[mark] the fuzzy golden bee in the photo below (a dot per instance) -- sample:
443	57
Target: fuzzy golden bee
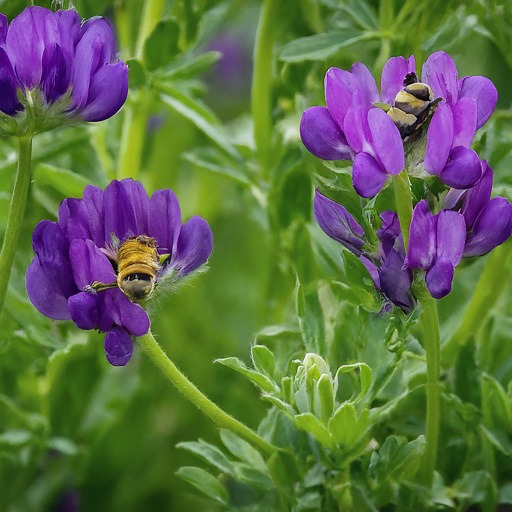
137	265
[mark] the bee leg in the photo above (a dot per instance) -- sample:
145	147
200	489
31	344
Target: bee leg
96	287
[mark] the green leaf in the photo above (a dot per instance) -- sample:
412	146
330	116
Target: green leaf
15	437
243	450
345	427
311	500
283	469
476	487
251	476
205	482
499	439
365	376
200	116
68	183
320	46
162	44
326	397
210	454
261	380
192	67
311	319
310	424
136	75
263	359
63	445
495	404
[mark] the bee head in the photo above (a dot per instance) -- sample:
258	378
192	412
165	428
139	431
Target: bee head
137	286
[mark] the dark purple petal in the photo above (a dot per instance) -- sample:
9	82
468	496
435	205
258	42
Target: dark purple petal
439	278
477	198
439	139
390	231
89	264
52	248
96	48
83	308
74	218
337	223
367	88
93	198
463	170
68	29
25	43
483	91
386	141
396	281
451	236
464	122
55	74
339	87
126	209
107	92
43	295
452	198
118	346
393	74
367	175
9	103
492	227
129	314
422	238
372	269
357	130
165	220
321	135
3	28
195	245
440	73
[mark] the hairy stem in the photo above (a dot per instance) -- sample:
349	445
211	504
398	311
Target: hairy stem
261	83
206	406
16	213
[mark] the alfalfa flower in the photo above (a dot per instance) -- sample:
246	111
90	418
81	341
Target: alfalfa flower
76	273
54	70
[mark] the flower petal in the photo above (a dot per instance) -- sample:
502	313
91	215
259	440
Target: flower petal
322	136
367	89
464	122
396	281
43	295
93	198
74	218
386	141
195	244
393	75
89	264
9	103
83	308
440	73
477	197
439	139
126	209
55	74
165	220
368	177
439	278
337	223
483	91
107	92
463	170
451	236
118	346
3	28
372	269
25	43
339	88
422	238
52	249
492	227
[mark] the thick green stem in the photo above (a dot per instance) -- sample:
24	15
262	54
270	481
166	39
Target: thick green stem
206	406
431	342
403	203
487	292
261	83
16	213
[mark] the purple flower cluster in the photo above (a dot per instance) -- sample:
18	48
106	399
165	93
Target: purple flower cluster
355	125
82	247
50	59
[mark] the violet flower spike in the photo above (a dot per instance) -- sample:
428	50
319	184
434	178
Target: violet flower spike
436	244
82	248
64	71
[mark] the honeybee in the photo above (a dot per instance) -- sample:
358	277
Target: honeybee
138	263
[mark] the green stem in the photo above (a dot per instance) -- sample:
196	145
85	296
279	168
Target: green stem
495	276
262	82
403	203
186	388
431	342
386	21
16	213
